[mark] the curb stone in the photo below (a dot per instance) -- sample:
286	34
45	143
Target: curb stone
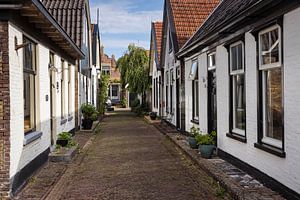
240	189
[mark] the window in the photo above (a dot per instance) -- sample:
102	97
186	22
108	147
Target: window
212	61
271	84
157	86
106	70
29	71
154	93
195	86
115	89
167	91
62	89
171	90
69	89
194	70
238	93
270	47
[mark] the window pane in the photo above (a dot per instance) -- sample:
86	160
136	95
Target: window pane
270	47
29	101
239	49
196	99
273	102
194	68
29	55
233	59
212	60
239	102
115	89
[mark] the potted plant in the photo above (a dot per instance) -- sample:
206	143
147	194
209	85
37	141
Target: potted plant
63	139
153	115
206	144
88	111
191	140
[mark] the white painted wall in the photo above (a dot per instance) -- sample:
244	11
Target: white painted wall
21	155
170	64
285	170
156	75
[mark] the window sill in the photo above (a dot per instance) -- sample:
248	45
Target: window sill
70	118
63	121
31	137
237	137
195	121
270	149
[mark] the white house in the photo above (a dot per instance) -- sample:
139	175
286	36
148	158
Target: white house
181	19
154	69
242	80
38	60
74	17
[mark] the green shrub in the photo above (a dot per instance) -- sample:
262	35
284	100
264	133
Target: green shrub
124	102
206	139
195	131
66	136
88	110
135	103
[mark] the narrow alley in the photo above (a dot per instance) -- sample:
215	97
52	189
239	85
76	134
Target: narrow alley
130	159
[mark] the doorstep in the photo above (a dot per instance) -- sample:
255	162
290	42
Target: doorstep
150	121
63	154
237	182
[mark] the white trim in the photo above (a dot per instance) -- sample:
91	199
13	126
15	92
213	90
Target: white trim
193	69
238	71
272	65
209	66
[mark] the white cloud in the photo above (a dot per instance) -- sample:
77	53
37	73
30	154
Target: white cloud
123	43
116	17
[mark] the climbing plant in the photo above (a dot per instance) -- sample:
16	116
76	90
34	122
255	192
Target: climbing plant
103	85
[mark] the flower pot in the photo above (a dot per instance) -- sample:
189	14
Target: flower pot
206	150
87	124
192	142
62	143
153	115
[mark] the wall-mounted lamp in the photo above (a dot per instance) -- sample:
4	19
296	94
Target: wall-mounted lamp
19	46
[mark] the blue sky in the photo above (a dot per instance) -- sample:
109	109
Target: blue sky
125	21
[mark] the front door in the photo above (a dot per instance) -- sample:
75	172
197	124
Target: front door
212	101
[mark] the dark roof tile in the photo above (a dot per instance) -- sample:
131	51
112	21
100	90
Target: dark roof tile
69	14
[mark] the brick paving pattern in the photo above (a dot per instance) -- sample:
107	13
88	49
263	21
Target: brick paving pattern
130	159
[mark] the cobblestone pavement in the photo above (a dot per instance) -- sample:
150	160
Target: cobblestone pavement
130	159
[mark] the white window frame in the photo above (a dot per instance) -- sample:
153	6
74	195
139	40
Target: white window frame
196	114
69	89
272	65
193	69
233	74
264	69
210	66
266	139
239	71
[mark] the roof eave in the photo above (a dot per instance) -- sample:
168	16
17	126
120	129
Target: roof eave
38	4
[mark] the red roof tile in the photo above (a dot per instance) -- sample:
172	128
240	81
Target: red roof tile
158	28
188	15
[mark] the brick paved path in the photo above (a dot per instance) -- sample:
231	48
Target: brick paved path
130	159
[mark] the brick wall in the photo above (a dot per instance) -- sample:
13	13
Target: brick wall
4	112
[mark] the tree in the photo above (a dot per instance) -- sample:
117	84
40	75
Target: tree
133	66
